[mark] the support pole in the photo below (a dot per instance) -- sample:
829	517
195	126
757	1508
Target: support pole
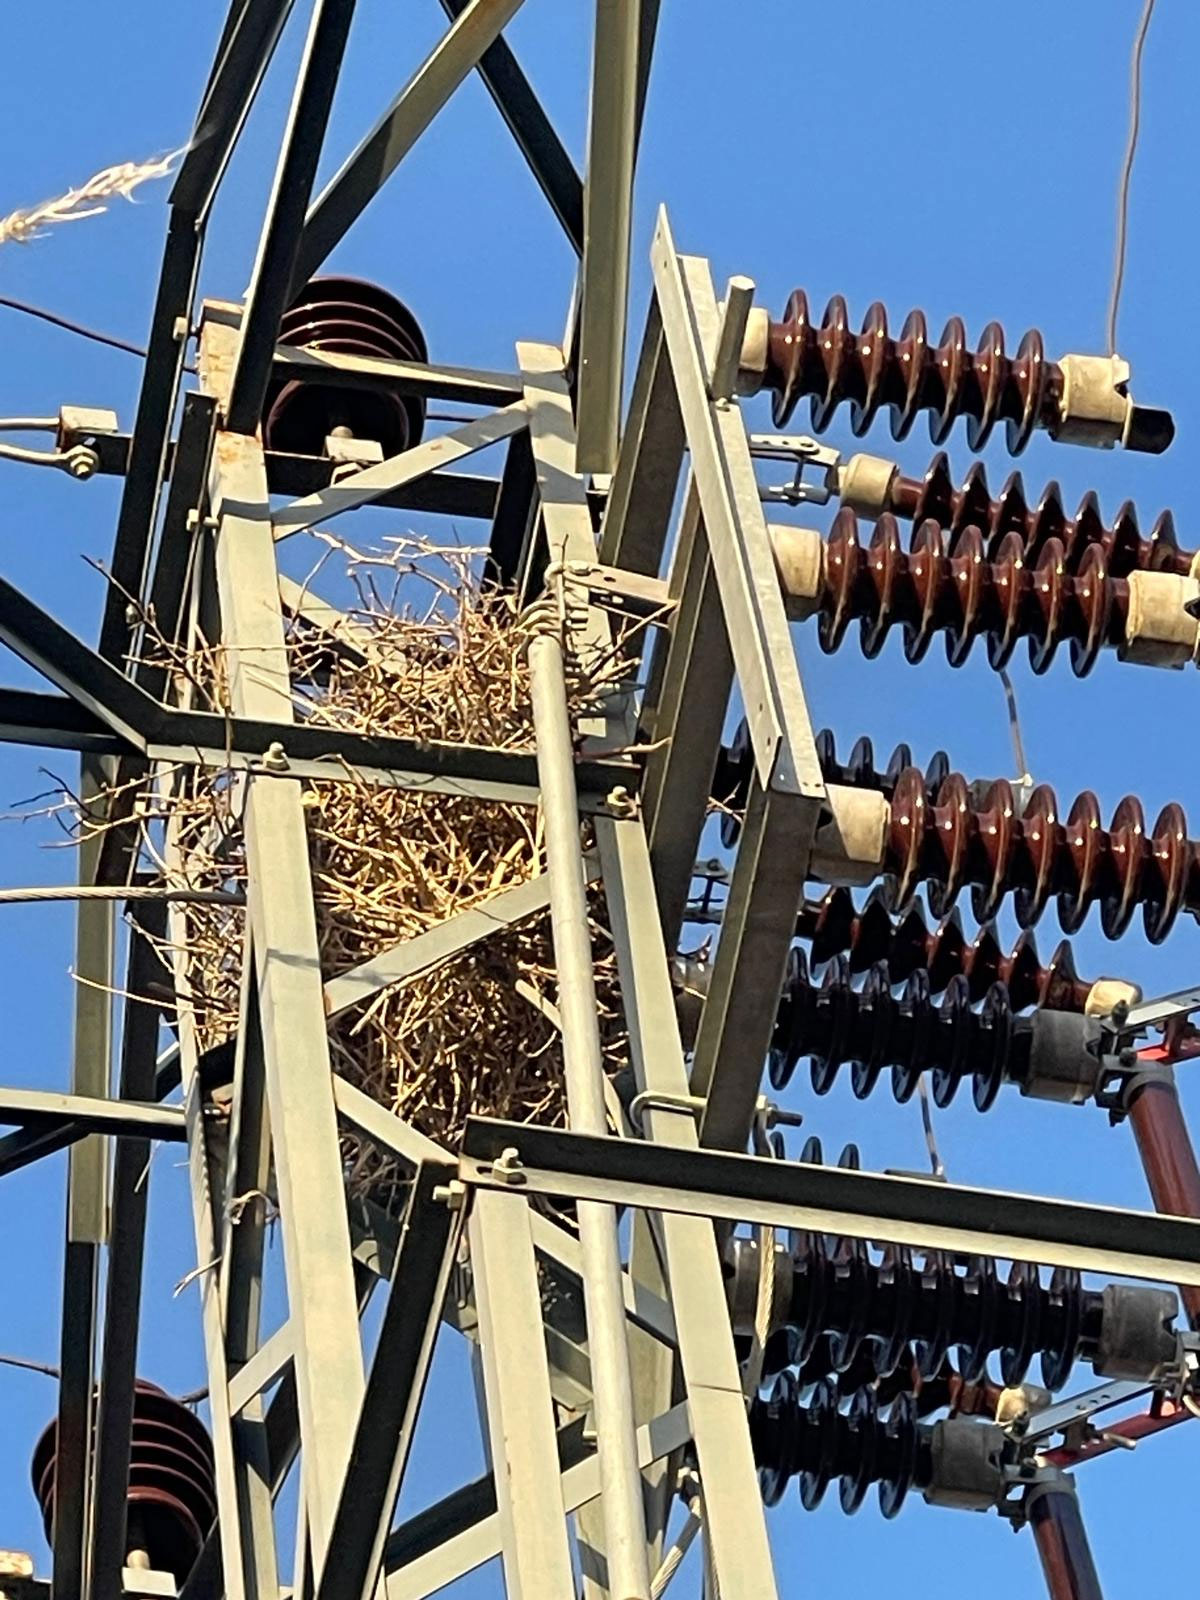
533	1534
87	1219
624	1521
607	213
270	287
1168	1155
123	1288
1062	1543
291	1008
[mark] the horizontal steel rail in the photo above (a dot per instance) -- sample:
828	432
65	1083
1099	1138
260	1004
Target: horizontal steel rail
921	1212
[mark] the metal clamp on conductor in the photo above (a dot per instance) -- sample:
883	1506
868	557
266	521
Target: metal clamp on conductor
72	428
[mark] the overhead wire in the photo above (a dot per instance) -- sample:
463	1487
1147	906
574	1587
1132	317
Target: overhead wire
95	334
80	328
1123	183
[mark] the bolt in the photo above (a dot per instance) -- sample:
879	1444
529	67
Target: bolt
620	802
777	1117
275	759
507	1167
453	1195
80	462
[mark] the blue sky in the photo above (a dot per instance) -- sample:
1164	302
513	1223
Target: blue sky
958	158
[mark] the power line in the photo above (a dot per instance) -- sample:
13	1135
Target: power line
72	327
1135	120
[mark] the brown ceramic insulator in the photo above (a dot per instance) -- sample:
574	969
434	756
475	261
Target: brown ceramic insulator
935	498
1062	1544
861	771
959	839
735	767
171	1499
907	944
930	589
831	363
345	316
1168	1158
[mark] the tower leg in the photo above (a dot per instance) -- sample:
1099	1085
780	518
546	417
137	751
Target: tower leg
1168	1155
1054	1516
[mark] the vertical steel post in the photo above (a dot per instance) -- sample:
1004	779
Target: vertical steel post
270	286
123	1283
735	1523
607	210
238	1570
385	1426
1062	1543
624	1520
282	923
1168	1155
87	1221
537	1557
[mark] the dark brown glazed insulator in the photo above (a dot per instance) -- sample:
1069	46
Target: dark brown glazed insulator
901	1310
345	316
870	369
935	499
834	926
959	840
815	1442
735	767
931	589
871	1028
861	772
172	1500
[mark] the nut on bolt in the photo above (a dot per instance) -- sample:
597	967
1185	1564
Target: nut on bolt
621	803
275	759
507	1167
81	462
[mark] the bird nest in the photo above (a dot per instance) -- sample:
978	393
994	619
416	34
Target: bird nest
427	652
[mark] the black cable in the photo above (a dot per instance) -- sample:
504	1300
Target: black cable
72	327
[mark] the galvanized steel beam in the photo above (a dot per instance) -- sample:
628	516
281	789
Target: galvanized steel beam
279	245
552	168
360	179
923	1212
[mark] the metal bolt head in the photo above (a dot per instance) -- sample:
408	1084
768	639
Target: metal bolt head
275	759
507	1167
